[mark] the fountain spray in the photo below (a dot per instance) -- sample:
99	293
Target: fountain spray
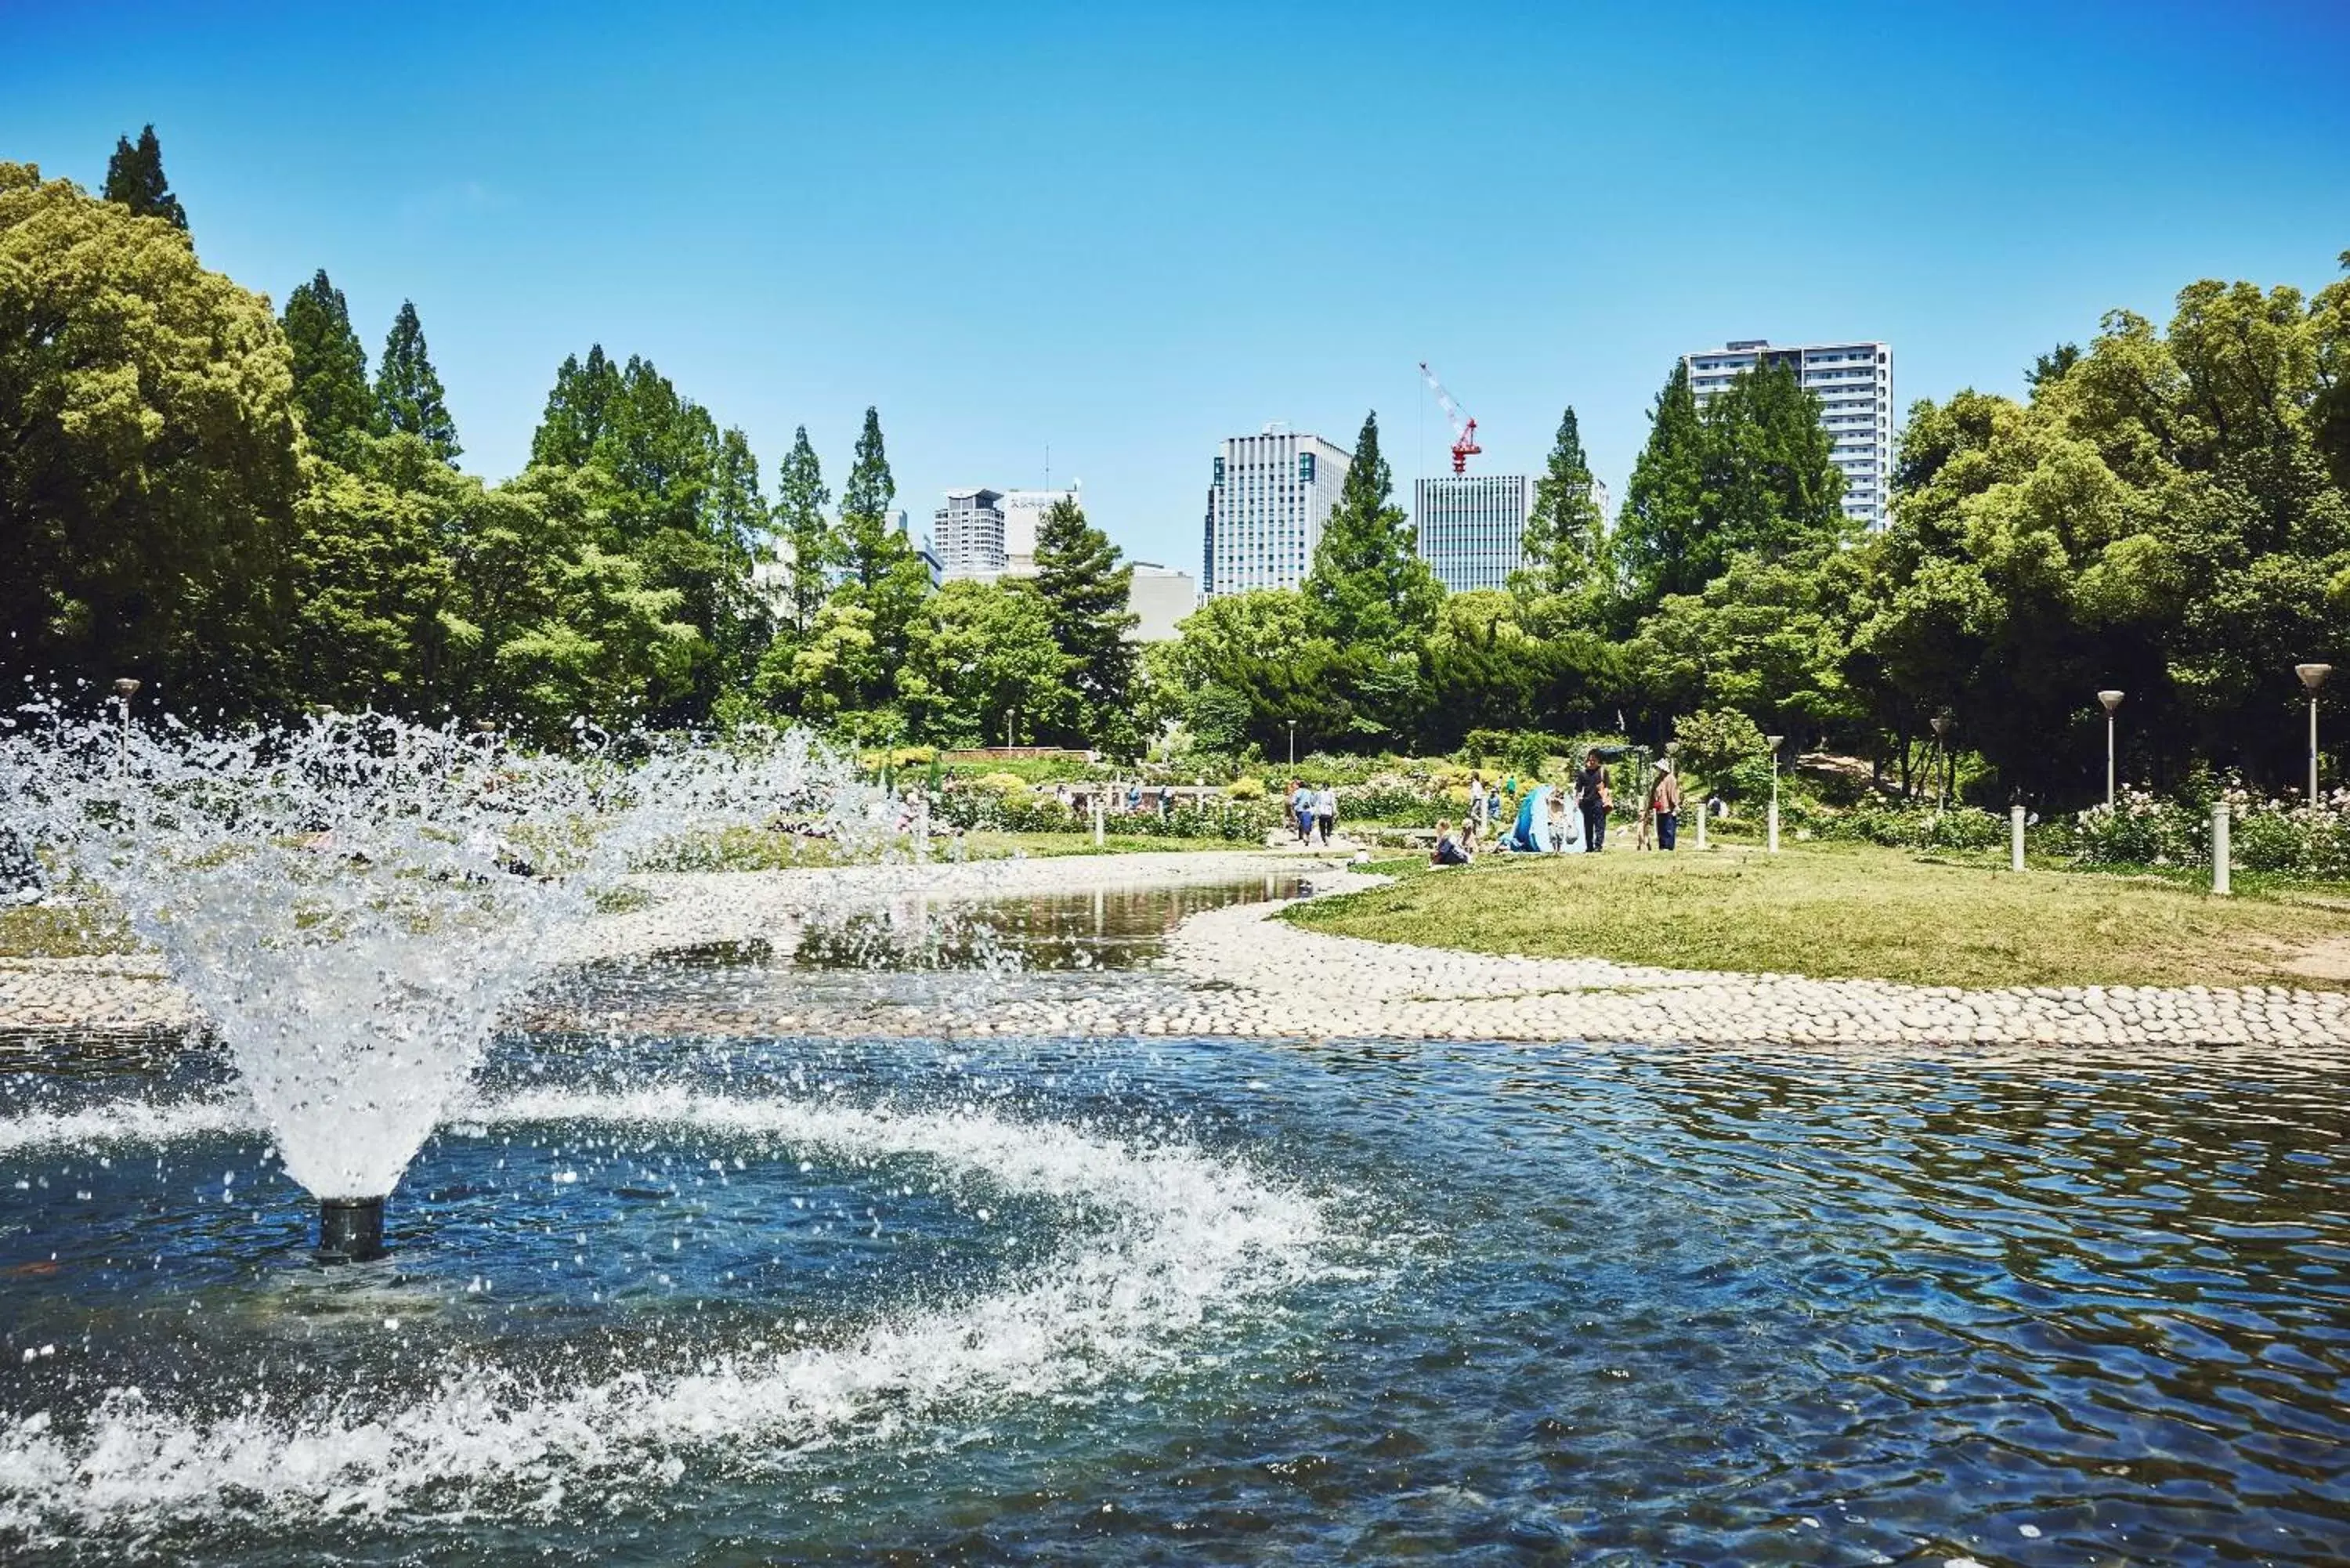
353	904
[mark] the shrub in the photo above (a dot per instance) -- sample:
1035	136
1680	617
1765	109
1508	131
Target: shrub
2310	842
1001	783
1725	751
1244	789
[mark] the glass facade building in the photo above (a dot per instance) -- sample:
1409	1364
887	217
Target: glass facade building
1853	382
1471	527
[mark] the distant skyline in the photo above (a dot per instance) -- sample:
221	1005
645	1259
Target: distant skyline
1128	233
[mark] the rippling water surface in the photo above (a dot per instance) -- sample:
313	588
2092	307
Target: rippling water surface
703	1298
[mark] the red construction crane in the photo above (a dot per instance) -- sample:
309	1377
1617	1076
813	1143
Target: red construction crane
1464	429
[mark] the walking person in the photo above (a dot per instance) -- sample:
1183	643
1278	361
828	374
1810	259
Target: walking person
1301	802
1591	794
1665	803
1474	823
1325	812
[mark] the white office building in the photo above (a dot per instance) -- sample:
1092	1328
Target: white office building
1022	511
1160	598
1471	527
1266	504
1853	382
967	533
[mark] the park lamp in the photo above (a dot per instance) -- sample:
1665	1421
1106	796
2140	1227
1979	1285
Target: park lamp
2313	675
2110	702
128	688
1941	723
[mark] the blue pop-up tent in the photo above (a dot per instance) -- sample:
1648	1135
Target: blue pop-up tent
1531	833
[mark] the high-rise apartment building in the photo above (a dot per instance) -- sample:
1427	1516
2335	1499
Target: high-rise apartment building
1853	382
1266	504
1471	527
968	534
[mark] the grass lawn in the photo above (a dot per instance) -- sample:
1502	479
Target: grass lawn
65	932
1845	911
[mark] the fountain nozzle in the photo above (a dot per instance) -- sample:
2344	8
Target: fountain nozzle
350	1230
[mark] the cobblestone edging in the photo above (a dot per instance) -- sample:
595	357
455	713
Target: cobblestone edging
1287	980
1239	971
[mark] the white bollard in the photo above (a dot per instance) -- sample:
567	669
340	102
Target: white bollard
1703	811
1774	826
2015	838
2220	852
1097	819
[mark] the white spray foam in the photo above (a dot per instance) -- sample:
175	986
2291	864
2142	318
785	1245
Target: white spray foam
1200	1238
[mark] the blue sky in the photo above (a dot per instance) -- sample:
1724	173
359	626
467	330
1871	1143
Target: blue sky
1126	232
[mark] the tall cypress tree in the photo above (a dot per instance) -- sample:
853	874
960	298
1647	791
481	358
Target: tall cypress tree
1565	540
870	546
802	530
1368	587
408	395
134	177
1659	527
330	369
579	409
1086	591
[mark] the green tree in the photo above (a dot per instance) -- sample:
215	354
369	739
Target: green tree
1658	531
134	179
871	549
148	457
330	369
1566	537
372	583
1243	667
578	410
409	399
1753	471
1368	587
1085	590
985	666
805	536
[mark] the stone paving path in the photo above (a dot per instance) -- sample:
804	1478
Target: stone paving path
1239	971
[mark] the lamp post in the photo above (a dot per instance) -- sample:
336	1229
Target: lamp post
1942	722
1773	835
2109	701
1293	742
126	689
2313	675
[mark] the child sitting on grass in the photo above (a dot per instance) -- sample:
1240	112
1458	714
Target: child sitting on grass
1448	850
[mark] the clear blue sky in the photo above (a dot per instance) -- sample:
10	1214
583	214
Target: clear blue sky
1128	231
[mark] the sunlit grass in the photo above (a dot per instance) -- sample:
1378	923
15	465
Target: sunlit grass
1856	912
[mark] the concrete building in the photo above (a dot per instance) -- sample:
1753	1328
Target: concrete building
1853	382
1471	527
1160	598
968	534
1023	510
1270	495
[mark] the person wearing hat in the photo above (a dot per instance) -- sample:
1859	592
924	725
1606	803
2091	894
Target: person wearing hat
1665	804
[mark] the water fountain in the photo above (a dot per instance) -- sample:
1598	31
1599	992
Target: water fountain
354	903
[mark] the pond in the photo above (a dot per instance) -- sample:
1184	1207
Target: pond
696	1295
